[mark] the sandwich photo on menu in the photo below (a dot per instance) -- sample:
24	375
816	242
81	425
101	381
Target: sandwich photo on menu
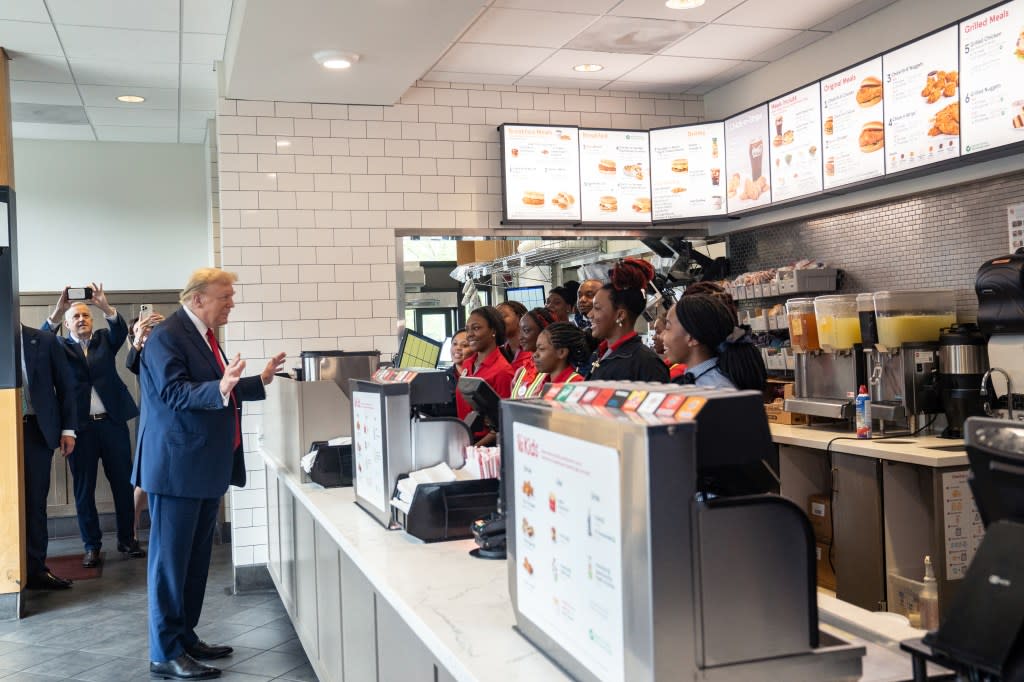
870	92
608	203
872	137
606	166
533	198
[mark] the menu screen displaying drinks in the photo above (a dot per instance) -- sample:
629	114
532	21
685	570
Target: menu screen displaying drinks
615	184
796	143
746	156
541	172
992	78
853	129
688	172
922	102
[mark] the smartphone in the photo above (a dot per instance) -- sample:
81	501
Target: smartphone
145	310
79	293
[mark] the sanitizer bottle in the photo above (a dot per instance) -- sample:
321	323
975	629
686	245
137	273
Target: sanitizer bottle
863	402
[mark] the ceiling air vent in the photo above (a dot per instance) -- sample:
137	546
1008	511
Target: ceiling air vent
26	112
630	35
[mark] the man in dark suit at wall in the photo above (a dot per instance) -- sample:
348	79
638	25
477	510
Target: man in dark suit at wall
189	450
48	413
104	407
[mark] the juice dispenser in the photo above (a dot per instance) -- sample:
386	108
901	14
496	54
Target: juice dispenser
803	326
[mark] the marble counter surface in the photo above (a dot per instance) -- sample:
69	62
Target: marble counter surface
929	451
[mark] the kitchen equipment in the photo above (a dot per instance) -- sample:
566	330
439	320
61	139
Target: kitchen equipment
914	316
338	366
803	326
838	322
962	364
999	286
868	322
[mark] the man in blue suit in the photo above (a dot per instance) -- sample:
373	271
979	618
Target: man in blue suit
104	407
189	450
48	414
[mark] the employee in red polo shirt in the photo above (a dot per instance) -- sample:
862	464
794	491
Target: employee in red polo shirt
485	332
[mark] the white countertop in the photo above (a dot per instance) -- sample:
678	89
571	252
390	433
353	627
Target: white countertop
460	606
911	450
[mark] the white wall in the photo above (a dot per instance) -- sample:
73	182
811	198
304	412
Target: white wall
130	215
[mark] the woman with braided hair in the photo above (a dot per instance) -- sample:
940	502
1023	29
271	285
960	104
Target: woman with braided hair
530	326
621	355
701	331
511	311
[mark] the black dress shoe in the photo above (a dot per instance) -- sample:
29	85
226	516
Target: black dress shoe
91	558
131	550
184	667
201	651
47	581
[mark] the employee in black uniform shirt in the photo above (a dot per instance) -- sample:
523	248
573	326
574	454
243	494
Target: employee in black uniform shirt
621	355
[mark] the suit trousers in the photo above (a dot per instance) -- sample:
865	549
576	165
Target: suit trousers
180	543
38	461
105	441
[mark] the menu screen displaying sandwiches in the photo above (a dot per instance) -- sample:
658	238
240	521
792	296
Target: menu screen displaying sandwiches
615	184
542	173
922	103
853	129
688	173
746	155
992	78
796	143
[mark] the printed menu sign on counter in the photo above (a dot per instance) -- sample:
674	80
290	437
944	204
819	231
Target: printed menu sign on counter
992	78
962	522
796	143
688	172
853	130
922	103
569	545
542	173
368	449
746	155
615	184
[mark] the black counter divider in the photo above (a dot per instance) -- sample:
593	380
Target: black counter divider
445	511
333	465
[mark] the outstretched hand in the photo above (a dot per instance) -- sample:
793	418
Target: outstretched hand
232	373
273	366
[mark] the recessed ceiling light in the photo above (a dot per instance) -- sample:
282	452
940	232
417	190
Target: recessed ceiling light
683	4
587	68
131	99
284	143
334	60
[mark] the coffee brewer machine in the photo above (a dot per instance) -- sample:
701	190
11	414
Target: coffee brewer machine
962	366
1000	289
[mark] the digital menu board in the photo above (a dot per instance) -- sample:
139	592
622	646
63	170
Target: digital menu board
922	103
541	173
853	129
795	155
746	155
688	171
615	185
992	78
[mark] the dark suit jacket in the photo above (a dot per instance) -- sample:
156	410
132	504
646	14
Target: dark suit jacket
186	434
51	384
99	371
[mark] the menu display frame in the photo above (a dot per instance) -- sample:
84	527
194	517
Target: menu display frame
570	199
737	186
643	218
782	135
826	151
723	173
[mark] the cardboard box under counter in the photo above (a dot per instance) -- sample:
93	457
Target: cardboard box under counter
826	576
819	509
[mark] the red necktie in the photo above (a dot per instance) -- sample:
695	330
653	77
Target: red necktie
220	363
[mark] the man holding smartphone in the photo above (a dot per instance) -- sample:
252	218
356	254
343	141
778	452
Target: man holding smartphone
104	406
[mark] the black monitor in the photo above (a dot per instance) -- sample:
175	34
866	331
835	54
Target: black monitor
995	449
531	297
417	350
482	398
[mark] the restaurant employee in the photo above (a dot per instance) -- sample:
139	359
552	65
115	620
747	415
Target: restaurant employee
621	355
530	326
485	331
561	351
510	312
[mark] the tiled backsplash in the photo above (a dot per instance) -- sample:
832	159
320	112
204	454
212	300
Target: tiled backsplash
939	239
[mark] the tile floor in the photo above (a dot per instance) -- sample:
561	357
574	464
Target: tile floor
96	631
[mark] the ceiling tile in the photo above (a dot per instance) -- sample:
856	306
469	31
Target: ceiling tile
153	15
640	86
116	44
802	15
195	119
24	10
854	13
657	10
551	82
700	89
30	38
628	34
198	76
57	114
106	96
559	65
498	59
136	134
129	74
30	67
731	74
193	135
44	93
116	116
201	48
729	42
581	6
206	16
799	41
521	27
49	131
198	99
682	70
456	77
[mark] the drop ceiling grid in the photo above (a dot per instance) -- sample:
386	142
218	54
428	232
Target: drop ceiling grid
85	54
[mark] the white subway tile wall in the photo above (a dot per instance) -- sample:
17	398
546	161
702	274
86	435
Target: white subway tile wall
311	196
938	239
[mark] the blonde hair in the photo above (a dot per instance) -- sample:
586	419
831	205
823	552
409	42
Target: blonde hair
202	278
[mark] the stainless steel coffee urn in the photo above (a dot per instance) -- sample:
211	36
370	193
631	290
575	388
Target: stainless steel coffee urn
963	362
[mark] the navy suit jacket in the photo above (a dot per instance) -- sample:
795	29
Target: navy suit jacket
186	434
51	384
99	371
